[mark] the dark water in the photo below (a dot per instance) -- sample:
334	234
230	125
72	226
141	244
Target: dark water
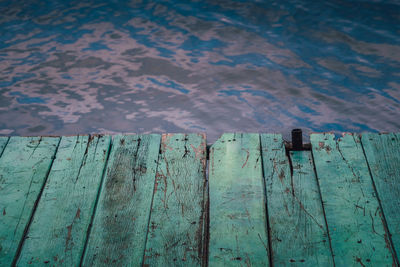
71	67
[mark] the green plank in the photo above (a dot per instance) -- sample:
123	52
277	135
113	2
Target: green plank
238	227
297	225
118	235
175	235
383	155
3	143
352	210
58	231
23	170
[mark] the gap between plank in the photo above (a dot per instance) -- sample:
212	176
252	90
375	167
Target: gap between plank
385	225
323	207
96	200
206	211
270	255
21	242
206	224
151	204
287	152
4	148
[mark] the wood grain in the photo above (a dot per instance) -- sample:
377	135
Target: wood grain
57	234
238	226
383	155
118	235
175	235
298	230
24	166
352	210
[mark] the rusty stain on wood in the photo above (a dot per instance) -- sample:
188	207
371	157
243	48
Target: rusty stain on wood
149	202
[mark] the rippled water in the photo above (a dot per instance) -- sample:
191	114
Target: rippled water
71	67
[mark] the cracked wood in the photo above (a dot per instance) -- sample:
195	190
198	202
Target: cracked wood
238	226
57	233
383	155
24	165
175	234
298	232
120	224
353	215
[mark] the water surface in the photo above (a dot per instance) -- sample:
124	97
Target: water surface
70	67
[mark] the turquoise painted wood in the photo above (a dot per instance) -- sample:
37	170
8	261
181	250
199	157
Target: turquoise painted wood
57	233
3	143
175	235
148	204
352	210
383	155
297	225
24	166
118	235
238	226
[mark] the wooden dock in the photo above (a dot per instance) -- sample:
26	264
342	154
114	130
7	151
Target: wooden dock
155	200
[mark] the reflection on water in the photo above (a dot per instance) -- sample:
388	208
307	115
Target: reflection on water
215	66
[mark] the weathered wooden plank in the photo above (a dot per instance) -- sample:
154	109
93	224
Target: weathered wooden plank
383	155
3	143
238	226
354	219
58	231
118	235
298	231
24	166
175	235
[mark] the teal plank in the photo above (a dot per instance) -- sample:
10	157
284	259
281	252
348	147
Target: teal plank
354	219
383	155
118	235
3	143
175	235
23	170
297	225
58	231
238	225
